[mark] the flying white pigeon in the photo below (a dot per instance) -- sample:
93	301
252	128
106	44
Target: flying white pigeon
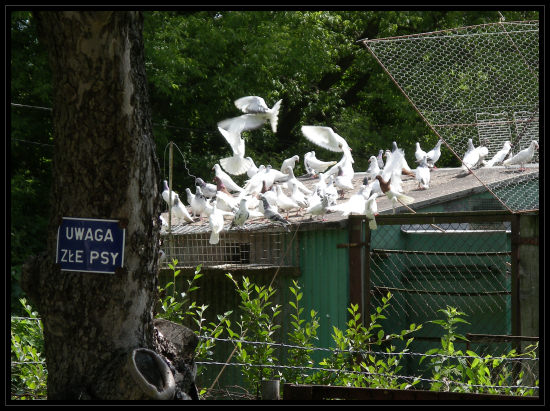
419	153
257	112
241	215
422	174
371	210
500	156
289	162
374	168
313	165
325	137
434	154
226	180
523	157
166	193
180	211
393	170
235	164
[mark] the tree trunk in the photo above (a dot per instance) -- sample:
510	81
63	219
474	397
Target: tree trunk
98	326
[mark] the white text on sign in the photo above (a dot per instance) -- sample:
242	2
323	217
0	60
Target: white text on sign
75	256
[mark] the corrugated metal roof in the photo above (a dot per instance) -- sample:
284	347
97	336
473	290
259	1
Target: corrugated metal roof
446	184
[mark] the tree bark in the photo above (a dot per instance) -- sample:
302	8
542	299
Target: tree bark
104	167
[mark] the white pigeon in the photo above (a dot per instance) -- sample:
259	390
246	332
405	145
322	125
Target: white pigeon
434	154
473	157
241	215
236	164
252	170
523	157
298	196
226	180
319	208
325	137
355	204
270	195
331	192
180	211
343	182
422	174
500	156
393	169
289	162
313	165
419	153
227	202
293	181
371	210
256	113
284	202
163	221
190	196
345	163
391	193
273	176
374	168
215	221
198	203
166	193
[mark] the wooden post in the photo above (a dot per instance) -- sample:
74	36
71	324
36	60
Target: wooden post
355	266
529	287
366	275
270	390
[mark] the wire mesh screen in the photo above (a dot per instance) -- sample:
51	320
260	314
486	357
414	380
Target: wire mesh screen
236	249
477	82
430	267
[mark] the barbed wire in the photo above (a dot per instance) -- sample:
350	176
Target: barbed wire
337	350
341	371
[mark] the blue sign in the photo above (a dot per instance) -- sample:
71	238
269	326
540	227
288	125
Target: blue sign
92	245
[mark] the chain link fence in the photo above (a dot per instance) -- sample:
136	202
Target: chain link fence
477	82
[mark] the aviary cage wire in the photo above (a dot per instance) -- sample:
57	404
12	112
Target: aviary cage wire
479	82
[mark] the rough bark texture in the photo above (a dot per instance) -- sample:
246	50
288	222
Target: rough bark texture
104	167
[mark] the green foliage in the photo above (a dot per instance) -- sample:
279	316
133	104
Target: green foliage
303	334
256	324
28	370
453	371
359	364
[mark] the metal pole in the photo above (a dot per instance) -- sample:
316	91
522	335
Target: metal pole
171	237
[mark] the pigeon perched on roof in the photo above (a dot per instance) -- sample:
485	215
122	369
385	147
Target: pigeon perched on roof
523	157
422	174
225	179
394	195
256	114
289	162
166	193
207	189
180	211
190	196
241	215
473	156
371	211
284	202
293	181
215	221
198	203
380	159
271	214
393	170
419	153
434	154
325	137
315	166
355	204
500	156
298	196
374	168
393	146
319	208
252	170
236	164
343	182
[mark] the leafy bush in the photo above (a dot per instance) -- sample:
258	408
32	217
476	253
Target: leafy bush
28	370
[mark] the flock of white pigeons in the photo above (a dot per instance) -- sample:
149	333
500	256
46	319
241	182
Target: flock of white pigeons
269	193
